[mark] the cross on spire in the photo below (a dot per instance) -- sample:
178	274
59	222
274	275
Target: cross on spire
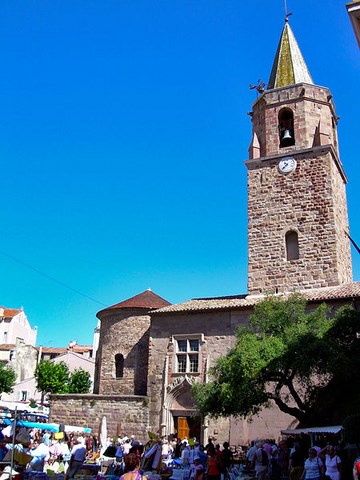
287	13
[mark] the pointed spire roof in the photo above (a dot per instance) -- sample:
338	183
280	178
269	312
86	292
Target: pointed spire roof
148	300
289	65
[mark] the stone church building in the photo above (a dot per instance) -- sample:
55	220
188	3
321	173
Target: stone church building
151	352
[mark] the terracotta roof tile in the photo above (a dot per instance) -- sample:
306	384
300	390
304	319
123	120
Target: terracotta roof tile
342	292
10	312
61	350
54	350
147	300
81	348
202	304
7	346
348	290
57	350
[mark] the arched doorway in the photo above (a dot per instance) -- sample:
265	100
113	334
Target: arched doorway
180	415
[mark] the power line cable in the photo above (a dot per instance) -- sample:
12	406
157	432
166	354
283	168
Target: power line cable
49	277
352	241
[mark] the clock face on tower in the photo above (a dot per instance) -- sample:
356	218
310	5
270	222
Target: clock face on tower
287	165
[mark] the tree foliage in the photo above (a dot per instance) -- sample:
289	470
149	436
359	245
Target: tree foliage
52	377
287	355
7	379
80	381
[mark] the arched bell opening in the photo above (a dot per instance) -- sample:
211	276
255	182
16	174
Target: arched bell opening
286	127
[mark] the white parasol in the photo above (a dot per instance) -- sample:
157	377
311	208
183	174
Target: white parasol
103	435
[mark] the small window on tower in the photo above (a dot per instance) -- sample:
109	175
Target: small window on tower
286	128
119	365
292	245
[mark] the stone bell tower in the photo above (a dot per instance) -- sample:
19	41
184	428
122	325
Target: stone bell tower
297	209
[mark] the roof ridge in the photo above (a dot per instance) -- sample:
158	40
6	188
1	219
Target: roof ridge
146	300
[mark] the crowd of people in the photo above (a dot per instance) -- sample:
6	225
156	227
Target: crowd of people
36	450
264	460
286	460
128	459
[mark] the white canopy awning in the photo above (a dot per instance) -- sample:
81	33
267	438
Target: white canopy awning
312	430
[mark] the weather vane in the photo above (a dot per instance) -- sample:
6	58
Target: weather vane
259	87
287	14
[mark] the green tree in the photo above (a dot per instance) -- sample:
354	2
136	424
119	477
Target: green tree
52	377
7	379
286	355
80	381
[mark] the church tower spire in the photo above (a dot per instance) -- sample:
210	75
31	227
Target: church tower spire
297	209
289	65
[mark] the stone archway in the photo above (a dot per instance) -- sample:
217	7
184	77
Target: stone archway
179	409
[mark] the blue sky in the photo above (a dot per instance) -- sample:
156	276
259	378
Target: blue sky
123	133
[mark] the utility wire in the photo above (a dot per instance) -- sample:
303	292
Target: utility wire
50	278
352	241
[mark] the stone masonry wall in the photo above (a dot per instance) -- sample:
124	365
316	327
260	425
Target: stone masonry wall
217	331
125	332
312	107
311	201
341	220
124	414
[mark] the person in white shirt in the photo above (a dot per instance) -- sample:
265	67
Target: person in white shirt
77	457
127	446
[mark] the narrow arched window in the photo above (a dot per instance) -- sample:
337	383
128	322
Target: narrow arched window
292	245
286	127
119	365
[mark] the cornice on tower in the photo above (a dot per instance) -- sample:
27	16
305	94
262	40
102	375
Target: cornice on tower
289	67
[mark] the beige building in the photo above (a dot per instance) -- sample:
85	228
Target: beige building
23	359
26	388
150	352
14	328
18	342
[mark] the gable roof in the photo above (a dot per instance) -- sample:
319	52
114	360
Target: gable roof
147	300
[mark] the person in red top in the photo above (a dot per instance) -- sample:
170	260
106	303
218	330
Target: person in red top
214	464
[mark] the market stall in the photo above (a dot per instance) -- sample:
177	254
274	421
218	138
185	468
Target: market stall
316	434
51	427
17	438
